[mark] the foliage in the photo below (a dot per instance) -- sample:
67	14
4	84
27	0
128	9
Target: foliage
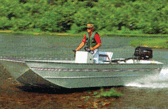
110	93
116	16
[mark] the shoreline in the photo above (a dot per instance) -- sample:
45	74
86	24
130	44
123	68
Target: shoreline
139	41
37	33
101	33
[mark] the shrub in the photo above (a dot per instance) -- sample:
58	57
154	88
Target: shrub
110	93
124	16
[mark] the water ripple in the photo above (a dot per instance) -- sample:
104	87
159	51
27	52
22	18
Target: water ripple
153	81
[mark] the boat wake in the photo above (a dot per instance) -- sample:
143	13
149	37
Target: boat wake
153	81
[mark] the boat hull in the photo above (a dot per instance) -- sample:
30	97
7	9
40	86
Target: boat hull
77	75
23	74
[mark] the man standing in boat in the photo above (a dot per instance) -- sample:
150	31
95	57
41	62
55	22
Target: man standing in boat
92	41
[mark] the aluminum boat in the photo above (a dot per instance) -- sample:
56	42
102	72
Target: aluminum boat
81	72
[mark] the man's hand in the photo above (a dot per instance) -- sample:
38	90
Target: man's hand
91	48
87	49
95	47
74	51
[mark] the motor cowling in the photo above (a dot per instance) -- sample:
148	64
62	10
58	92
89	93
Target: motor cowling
144	53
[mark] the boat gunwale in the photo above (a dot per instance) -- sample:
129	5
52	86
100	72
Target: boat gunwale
12	60
73	62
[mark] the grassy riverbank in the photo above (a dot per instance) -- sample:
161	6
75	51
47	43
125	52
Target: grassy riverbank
34	33
147	40
102	33
160	43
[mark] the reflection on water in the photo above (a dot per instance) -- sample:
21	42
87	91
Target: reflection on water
30	46
154	81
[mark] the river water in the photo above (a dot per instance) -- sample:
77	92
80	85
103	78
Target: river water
60	47
150	92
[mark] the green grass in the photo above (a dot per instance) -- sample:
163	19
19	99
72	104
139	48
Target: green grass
150	42
110	93
102	33
130	34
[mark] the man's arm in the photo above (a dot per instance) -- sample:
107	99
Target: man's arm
80	46
96	46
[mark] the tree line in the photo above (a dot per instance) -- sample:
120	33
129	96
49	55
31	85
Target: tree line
124	16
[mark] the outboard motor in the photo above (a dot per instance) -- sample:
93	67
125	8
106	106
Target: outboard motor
144	53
